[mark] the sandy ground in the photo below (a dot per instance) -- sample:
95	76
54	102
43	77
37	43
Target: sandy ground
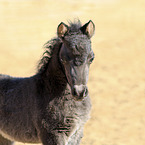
117	76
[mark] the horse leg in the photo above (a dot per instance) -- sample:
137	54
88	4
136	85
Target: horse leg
4	141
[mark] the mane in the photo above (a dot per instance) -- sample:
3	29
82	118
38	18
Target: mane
74	28
46	56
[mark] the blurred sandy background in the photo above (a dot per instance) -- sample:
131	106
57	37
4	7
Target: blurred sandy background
117	76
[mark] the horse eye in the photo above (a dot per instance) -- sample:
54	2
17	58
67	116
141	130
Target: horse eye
63	60
91	58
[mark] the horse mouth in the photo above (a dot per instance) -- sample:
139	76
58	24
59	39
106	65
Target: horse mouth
76	98
79	92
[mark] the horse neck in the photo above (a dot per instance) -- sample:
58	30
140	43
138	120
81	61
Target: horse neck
54	78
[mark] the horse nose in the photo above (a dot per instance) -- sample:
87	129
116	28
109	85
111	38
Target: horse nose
80	91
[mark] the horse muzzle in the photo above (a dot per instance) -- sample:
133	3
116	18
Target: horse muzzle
79	91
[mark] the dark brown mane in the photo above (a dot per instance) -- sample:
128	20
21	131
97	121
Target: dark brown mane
49	47
74	26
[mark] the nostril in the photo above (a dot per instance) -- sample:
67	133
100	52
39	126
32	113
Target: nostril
75	92
85	92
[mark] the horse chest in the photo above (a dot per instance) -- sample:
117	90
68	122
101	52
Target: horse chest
65	115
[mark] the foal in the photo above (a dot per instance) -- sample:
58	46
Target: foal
52	106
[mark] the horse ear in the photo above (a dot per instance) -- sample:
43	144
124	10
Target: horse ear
62	30
88	29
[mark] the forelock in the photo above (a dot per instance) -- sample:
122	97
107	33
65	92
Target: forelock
74	26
